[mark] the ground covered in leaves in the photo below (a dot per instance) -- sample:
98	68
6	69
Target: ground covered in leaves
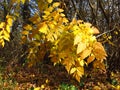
49	77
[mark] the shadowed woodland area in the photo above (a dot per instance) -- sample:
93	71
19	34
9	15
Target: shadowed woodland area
29	63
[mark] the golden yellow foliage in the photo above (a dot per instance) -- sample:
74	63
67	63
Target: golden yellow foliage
27	27
5	30
71	43
23	1
81	46
73	70
35	19
99	51
49	1
56	4
85	53
43	28
90	59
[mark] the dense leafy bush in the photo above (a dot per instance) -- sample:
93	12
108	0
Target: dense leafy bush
71	43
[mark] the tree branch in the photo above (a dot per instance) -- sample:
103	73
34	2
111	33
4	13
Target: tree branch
105	33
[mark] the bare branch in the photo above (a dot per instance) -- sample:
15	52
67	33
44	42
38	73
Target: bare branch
105	33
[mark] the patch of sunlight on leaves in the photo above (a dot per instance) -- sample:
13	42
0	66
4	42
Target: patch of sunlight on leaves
37	88
49	1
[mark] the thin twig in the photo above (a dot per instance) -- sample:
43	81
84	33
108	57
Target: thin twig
104	33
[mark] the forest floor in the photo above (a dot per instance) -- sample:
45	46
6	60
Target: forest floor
49	77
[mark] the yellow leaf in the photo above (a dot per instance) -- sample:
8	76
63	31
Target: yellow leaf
25	32
56	16
99	54
50	9
95	30
24	38
116	32
52	26
18	1
118	87
67	67
109	37
98	64
56	4
60	10
9	21
8	16
28	27
62	55
23	1
96	88
2	24
46	81
81	46
43	28
88	24
1	37
77	39
6	38
47	13
99	51
82	62
42	86
102	66
1	32
65	20
62	14
68	64
72	70
50	37
98	45
49	1
2	42
85	53
90	59
8	28
75	28
79	73
77	77
37	88
6	34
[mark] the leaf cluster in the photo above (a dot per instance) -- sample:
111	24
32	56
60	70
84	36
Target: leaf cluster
5	28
